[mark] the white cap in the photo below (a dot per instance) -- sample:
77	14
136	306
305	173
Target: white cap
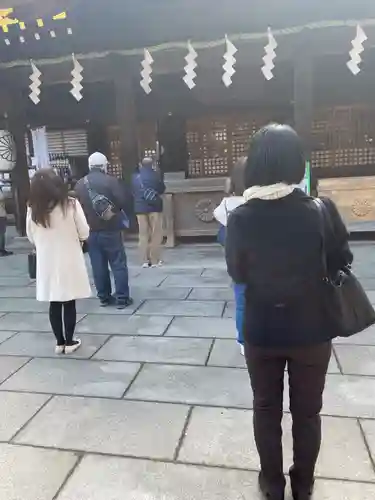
98	160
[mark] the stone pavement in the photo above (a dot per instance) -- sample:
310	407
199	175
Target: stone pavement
157	403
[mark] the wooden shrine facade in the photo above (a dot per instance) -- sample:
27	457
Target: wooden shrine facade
201	133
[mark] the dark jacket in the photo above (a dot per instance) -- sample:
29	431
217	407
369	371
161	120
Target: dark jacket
275	248
111	188
147	178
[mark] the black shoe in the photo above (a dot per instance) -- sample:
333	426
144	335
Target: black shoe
300	491
107	302
268	492
123	304
5	253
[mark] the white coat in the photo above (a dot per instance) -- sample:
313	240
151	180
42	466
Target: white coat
61	273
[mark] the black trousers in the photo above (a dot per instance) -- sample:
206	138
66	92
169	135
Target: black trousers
70	320
307	368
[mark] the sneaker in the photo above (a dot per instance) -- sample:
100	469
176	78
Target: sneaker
107	302
76	344
146	265
242	349
123	304
60	349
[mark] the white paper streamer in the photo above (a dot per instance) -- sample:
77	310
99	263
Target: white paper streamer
190	67
269	57
146	72
35	84
76	80
355	57
230	61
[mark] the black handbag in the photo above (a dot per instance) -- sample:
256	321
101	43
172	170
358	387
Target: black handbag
347	306
31	258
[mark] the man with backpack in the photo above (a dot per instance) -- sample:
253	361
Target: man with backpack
148	187
104	202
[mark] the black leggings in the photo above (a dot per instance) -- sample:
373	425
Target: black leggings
70	319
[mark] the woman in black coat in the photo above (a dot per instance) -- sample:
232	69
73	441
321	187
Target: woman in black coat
274	245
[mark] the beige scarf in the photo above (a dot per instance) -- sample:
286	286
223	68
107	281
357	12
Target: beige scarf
272	192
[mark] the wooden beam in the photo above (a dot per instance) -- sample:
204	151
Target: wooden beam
126	116
20	176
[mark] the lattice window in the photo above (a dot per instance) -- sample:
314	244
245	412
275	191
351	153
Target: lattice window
115	163
343	136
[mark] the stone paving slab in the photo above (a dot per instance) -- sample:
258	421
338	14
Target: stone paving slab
8	366
225	437
211	294
17	292
230	310
26	305
32	474
155	350
368	427
92	306
150	279
227	353
159	293
27	322
15	411
97	478
356	360
108	426
73	377
13	281
364	338
181	308
343	490
39	345
124	325
348	396
193	385
202	327
4	335
196	281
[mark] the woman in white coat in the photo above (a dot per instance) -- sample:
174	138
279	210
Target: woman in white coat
57	227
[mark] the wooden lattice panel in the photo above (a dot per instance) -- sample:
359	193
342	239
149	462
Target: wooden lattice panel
115	163
147	139
343	136
215	144
194	142
215	148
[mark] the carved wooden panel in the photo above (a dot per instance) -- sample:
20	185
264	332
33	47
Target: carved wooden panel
354	197
342	136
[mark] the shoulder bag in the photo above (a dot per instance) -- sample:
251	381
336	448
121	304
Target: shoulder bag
346	304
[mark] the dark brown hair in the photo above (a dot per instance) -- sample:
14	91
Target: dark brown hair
237	178
47	190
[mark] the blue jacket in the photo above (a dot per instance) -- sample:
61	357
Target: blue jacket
147	178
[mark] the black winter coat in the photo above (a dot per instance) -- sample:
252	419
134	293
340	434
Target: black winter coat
275	248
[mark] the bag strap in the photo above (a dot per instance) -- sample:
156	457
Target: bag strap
322	211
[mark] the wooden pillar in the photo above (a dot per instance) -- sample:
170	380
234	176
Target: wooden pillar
303	106
20	175
126	117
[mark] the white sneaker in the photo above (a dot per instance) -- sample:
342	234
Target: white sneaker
146	265
60	349
69	349
242	349
159	264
